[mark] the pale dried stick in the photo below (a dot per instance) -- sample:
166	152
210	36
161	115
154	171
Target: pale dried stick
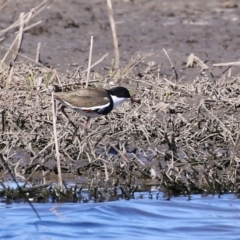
10	48
172	66
114	33
45	148
32	25
36	11
193	59
229	64
96	63
27	180
119	152
38	53
39	8
89	61
225	128
100	60
60	183
23	19
25	29
18	175
19	37
106	172
4	4
235	148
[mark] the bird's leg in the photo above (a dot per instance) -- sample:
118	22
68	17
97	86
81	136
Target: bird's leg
85	125
65	114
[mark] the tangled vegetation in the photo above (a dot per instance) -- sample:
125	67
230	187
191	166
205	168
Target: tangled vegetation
183	138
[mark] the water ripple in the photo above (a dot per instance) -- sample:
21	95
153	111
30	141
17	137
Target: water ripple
200	218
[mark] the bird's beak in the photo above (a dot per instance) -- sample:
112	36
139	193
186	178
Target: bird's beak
135	100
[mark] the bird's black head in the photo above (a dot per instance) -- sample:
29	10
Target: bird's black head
120	92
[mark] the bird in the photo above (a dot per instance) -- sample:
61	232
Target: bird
93	102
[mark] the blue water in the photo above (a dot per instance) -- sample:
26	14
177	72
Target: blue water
200	218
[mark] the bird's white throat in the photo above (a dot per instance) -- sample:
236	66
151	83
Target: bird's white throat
117	101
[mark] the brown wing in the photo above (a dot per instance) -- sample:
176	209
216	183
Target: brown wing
86	97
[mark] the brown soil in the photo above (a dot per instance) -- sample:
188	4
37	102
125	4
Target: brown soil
209	29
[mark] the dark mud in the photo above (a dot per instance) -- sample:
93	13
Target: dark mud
209	29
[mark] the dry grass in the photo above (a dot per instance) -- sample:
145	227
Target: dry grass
183	138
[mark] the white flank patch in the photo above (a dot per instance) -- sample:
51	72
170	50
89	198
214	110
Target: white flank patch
83	109
117	101
96	107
